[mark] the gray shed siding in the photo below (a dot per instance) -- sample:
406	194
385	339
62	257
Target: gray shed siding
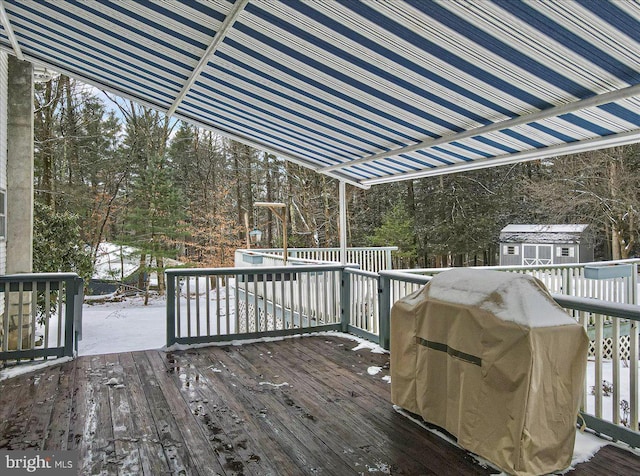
572	248
545	244
510	260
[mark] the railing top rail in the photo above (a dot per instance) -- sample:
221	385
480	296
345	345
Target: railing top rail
606	308
252	270
350	248
360	272
404	275
39	277
536	267
270	254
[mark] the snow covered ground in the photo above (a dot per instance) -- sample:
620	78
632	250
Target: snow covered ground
128	325
123	326
607	377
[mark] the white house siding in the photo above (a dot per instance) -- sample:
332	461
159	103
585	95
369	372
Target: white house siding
3	147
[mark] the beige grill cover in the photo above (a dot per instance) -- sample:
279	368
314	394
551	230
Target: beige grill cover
491	358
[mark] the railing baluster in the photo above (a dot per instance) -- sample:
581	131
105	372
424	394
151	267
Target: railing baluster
357	299
283	308
47	312
353	308
218	292
34	312
300	309
308	313
58	307
188	306
207	292
633	367
256	308
316	299
615	362
376	306
364	301
634	284
372	291
198	306
274	300
5	320
583	320
338	297
20	313
178	326
598	366
246	301
236	311
291	300
171	308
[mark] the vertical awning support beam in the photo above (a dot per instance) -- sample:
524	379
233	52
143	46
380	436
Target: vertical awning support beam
6	24
343	221
226	26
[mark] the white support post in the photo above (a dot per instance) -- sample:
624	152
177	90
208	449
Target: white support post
343	221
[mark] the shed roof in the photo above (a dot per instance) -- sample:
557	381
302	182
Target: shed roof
544	228
367	91
542	234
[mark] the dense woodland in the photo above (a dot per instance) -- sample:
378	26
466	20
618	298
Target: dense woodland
110	170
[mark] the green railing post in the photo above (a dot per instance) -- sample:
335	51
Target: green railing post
170	279
77	314
71	291
345	300
384	303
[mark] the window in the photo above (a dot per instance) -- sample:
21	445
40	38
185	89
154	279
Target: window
3	216
510	250
565	252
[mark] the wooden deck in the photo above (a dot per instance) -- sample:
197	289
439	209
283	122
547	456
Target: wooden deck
299	406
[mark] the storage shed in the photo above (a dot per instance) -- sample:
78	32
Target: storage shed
530	245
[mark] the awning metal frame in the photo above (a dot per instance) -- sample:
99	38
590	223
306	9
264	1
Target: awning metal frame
567	108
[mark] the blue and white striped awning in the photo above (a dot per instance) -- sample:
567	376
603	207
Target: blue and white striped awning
367	92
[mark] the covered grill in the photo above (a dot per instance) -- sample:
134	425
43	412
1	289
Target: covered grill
492	359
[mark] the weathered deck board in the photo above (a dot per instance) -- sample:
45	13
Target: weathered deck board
299	406
143	430
58	430
168	430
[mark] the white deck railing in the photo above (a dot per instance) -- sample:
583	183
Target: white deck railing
372	259
571	279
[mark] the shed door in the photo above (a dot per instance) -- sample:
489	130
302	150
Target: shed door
536	254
